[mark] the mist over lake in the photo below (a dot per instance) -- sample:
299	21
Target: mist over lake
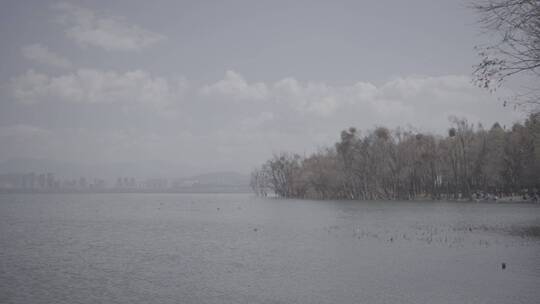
237	248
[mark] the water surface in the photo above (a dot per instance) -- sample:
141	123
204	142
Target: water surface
235	248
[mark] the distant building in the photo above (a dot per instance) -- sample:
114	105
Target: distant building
28	181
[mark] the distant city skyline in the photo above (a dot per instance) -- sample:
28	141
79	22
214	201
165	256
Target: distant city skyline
219	86
50	182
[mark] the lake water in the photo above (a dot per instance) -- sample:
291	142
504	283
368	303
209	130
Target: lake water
235	248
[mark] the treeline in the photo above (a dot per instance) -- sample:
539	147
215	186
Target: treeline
402	164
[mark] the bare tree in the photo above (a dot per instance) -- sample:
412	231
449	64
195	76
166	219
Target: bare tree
382	164
517	50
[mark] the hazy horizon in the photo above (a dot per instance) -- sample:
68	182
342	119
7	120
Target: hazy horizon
206	87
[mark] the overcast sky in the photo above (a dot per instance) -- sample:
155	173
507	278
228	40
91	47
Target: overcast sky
221	85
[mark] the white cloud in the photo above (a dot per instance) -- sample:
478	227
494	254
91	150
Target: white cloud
96	86
314	98
257	120
236	87
90	28
421	101
43	55
287	104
